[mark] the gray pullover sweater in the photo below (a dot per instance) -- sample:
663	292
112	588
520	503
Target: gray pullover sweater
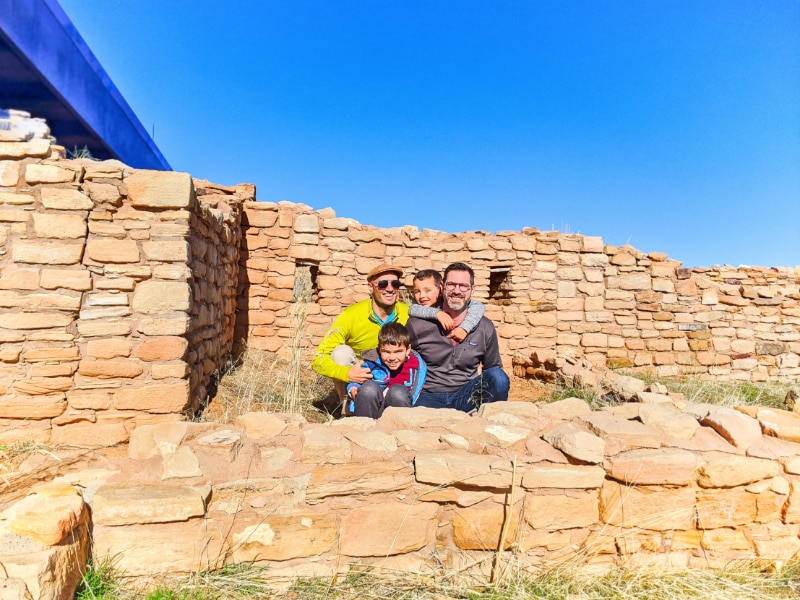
452	365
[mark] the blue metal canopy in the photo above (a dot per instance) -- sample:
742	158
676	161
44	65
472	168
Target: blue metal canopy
47	69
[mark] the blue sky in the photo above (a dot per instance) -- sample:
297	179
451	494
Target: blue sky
673	126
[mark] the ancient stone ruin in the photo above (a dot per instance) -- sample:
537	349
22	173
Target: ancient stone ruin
123	294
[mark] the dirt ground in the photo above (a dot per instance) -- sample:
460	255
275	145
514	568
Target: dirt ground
528	390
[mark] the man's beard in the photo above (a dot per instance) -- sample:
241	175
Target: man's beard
457	304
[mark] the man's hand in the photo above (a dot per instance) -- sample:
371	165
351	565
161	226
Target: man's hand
359	373
445	320
458	334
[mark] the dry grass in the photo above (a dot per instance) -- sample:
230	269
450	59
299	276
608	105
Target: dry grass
740	581
701	391
11	455
259	381
298	346
731	393
265	381
262	381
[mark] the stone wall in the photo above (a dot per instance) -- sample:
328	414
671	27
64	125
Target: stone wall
123	293
657	482
546	292
213	270
117	291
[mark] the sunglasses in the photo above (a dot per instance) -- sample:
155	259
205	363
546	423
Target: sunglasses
385	283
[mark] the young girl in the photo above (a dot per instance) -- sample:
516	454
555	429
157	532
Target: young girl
428	295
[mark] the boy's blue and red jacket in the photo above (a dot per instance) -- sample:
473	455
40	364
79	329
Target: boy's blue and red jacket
411	374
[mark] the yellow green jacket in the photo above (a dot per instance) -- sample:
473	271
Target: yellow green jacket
358	327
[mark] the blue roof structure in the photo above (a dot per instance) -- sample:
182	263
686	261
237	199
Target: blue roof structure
47	69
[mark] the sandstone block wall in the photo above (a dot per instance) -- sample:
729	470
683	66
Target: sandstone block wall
117	291
546	292
123	292
654	482
214	275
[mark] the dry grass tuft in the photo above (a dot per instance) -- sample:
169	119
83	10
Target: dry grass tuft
259	381
731	393
11	455
276	382
701	391
740	581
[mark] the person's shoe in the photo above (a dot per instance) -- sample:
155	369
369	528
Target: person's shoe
349	408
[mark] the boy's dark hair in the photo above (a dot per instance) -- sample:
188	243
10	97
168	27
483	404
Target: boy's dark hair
459	266
428	273
395	334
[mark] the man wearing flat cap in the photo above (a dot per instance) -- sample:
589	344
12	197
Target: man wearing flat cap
356	329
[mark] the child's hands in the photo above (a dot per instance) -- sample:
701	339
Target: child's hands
445	320
359	373
354	392
458	334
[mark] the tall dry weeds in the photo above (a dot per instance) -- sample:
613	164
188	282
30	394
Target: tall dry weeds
299	341
263	381
275	382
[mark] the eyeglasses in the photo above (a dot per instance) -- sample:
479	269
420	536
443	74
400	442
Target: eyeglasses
385	283
463	287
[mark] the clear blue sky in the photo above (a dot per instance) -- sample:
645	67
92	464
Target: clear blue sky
670	125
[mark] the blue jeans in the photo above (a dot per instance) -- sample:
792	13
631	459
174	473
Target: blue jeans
490	386
370	401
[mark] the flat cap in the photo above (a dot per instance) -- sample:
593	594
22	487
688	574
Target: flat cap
383	268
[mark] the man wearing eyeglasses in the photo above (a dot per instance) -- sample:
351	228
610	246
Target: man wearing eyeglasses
453	380
356	329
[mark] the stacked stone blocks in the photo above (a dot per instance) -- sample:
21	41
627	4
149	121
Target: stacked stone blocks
117	293
429	491
123	293
546	291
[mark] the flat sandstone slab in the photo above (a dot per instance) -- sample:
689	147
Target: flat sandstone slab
118	504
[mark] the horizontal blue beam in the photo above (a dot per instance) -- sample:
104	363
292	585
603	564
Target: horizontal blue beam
50	51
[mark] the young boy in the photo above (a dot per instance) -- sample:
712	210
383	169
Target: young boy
428	294
397	375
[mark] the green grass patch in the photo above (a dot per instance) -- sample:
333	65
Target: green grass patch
562	392
98	583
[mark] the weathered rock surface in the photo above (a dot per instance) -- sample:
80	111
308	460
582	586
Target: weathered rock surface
347	480
284	537
725	470
664	466
118	504
576	444
391	528
463	469
739	429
